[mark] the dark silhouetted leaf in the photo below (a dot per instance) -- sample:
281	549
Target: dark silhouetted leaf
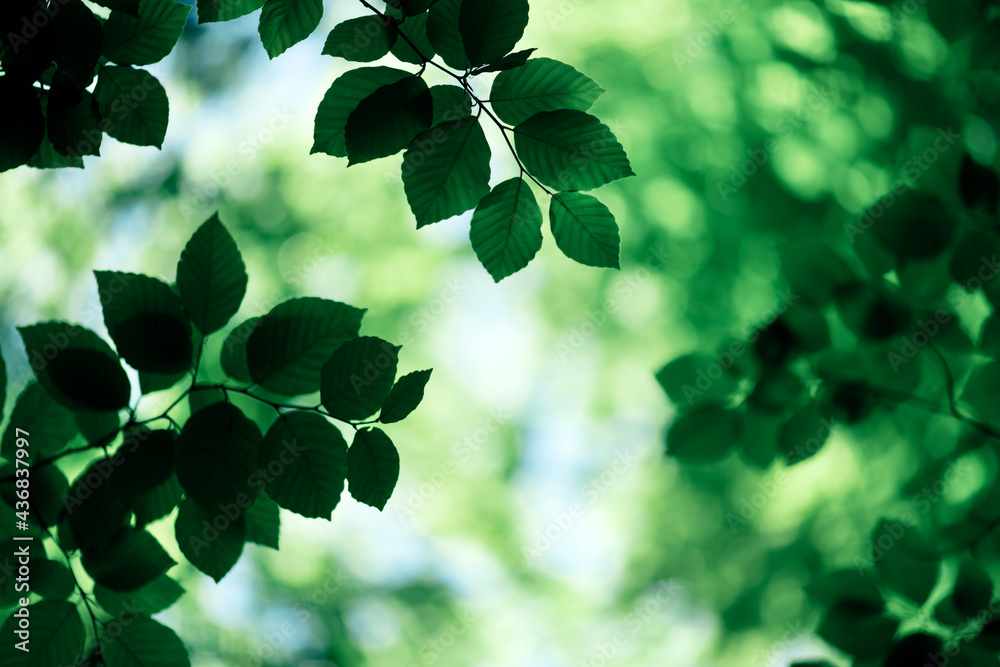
73	122
973	590
76	367
132	560
211	276
912	225
858	629
57	636
904	561
211	541
358	377
144	643
226	10
978	186
491	28
305	459
446	170
51	579
413	30
372	467
451	104
50	425
22	125
444	34
158	503
405	396
386	121
134	105
697	378
804	434
540	85
704	435
343	97
234	351
506	230
216	455
147	462
292	342
151	599
510	62
263	520
363	39
148	38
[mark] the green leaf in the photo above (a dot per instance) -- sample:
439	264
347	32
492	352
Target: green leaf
146	38
50	426
291	343
906	563
51	579
211	276
446	170
146	320
804	434
451	103
510	62
362	40
263	520
852	585
506	230
158	503
372	467
444	34
234	351
491	28
386	121
211	541
311	455
983	389
134	105
22	125
73	122
358	377
144	643
413	30
704	435
858	629
48	158
132	560
695	379
76	367
913	225
48	486
542	84
98	427
570	150
226	10
343	97
57	636
584	229
78	37
153	382
151	599
814	270
96	511
405	396
973	590
285	23
216	456
146	461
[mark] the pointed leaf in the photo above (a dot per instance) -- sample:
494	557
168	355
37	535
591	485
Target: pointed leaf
542	84
146	38
22	125
291	343
358	377
158	503
570	150
144	643
211	276
211	541
451	103
51	426
343	97
445	35
311	454
584	229
234	351
131	561
414	31
152	598
226	10
263	520
134	105
446	170
372	467
506	228
386	121
405	396
285	23
491	28
57	636
363	39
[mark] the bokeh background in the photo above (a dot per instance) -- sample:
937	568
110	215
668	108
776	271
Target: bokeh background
537	522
